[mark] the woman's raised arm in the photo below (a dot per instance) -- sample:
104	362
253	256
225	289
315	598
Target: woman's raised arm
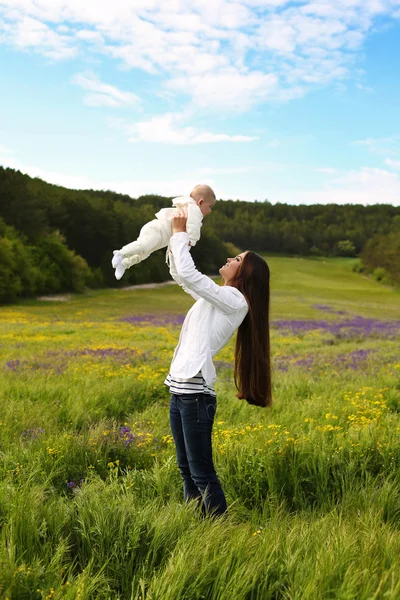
226	298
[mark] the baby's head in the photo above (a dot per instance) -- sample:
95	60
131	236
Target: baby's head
204	198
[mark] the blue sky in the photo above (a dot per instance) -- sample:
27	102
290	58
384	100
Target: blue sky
293	102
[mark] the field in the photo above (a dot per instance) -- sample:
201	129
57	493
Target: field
90	495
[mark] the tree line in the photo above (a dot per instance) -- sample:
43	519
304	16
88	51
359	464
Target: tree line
381	256
53	239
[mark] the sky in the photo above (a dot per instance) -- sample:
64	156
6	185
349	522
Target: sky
286	101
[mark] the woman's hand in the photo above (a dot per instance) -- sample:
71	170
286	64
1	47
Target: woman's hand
178	223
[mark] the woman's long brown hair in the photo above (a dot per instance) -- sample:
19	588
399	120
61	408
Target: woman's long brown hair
252	353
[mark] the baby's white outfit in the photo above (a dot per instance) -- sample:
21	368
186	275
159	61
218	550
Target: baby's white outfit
156	234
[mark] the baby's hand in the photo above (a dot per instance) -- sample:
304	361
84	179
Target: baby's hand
178	224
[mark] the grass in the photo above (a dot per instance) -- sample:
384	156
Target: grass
90	495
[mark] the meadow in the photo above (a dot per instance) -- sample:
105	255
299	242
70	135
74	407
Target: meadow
91	500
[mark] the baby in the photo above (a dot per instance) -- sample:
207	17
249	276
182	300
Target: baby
156	233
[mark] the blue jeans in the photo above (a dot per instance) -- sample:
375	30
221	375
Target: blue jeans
192	418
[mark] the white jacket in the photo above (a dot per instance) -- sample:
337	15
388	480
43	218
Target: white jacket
156	234
212	320
194	216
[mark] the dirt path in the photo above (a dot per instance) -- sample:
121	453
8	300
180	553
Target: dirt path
129	288
145	286
57	298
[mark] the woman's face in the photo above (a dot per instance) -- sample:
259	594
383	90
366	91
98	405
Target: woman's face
229	270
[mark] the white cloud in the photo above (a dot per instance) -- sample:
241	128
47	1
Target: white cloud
383	146
90	36
27	33
365	88
137	187
259	50
364	186
229	15
327	170
104	94
227	89
268	4
366	177
395	164
170	129
242	169
226	170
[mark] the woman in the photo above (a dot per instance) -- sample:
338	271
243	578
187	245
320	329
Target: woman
241	303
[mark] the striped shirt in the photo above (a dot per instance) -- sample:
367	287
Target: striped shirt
192	385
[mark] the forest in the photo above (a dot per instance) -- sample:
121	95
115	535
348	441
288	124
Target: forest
54	239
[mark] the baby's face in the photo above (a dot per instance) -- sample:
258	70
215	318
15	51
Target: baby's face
205	207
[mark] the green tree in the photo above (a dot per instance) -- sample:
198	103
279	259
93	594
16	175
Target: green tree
346	248
383	252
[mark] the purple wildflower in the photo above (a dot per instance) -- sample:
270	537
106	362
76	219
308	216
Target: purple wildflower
32	434
162	319
71	485
13	364
222	365
126	436
323	307
43	366
50	363
98	352
351	360
355	327
328	309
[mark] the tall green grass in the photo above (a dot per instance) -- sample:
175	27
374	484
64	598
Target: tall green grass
313	484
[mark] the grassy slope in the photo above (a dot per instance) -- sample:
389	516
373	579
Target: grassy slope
313	482
296	284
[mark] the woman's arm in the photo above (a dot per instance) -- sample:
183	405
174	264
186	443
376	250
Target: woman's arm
175	276
226	298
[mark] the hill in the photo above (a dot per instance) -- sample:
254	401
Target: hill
53	239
